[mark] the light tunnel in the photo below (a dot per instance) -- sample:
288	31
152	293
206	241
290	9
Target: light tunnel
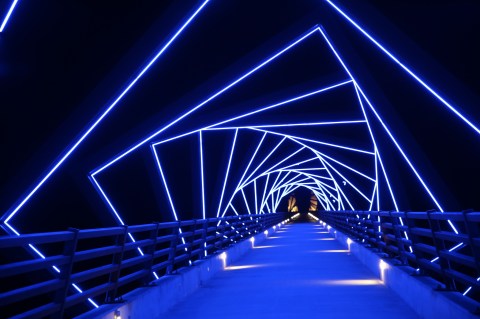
310	119
300	114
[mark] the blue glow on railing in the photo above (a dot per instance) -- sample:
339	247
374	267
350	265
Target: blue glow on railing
104	114
8	15
55	268
405	68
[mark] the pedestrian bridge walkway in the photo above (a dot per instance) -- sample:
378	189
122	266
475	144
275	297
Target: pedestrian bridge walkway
300	271
343	264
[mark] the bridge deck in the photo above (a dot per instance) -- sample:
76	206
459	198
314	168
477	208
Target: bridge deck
299	272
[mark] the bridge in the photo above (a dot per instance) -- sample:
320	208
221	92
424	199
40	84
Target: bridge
335	264
227	159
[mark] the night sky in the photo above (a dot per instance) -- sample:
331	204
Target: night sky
63	62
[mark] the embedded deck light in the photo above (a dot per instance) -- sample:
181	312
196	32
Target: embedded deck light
223	258
349	243
383	266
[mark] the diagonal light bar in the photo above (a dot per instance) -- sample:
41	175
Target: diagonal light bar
339	189
325	89
377	157
405	68
104	114
212	97
217	126
350	183
251	160
266	158
226	175
346	166
8	15
264	192
358	89
160	170
386	128
283	160
403	153
317	142
246	202
296	141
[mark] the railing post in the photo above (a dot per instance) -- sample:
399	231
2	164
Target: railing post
413	238
204	237
173	248
398	239
117	259
150	251
219	231
473	233
191	240
66	272
439	246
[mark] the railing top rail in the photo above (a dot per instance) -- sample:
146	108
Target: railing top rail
36	238
444	245
123	258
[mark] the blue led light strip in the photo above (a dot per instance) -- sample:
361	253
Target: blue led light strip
284	102
279	53
200	140
359	90
275	186
248	180
385	127
8	15
92	176
319	142
226	175
104	114
405	68
214	127
85	135
212	97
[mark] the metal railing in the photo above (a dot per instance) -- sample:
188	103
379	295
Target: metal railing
445	246
108	262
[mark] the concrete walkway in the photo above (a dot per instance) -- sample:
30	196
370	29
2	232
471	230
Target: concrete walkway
298	272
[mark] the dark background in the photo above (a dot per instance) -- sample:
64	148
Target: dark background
61	62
